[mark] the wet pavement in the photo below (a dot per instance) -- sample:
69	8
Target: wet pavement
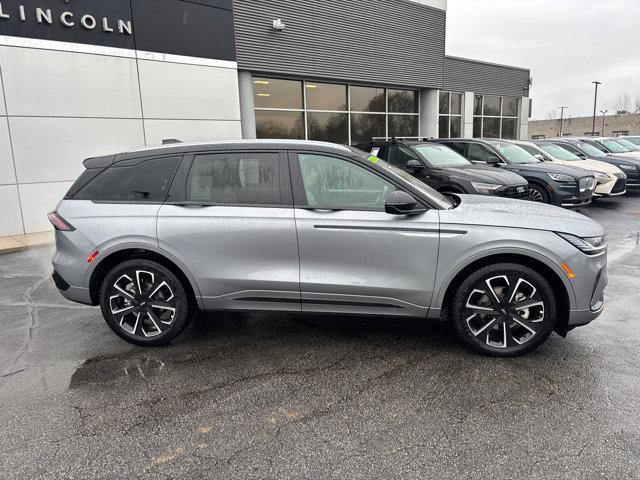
270	396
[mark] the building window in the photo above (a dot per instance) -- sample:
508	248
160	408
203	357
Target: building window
339	113
495	117
537	137
620	133
450	118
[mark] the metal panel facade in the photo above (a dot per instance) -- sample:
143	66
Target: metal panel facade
393	42
463	75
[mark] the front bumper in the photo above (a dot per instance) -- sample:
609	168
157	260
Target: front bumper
579	318
569	195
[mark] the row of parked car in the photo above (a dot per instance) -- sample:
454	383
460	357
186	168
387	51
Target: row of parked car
567	172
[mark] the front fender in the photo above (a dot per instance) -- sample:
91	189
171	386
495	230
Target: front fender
447	272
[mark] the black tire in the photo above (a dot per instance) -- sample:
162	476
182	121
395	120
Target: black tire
539	194
152	317
509	323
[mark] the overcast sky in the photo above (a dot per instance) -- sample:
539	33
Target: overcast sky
566	43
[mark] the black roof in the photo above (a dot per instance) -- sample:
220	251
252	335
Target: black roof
182	148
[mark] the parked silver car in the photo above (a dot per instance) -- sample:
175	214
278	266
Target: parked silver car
154	235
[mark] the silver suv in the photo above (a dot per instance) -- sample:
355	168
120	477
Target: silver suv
154	235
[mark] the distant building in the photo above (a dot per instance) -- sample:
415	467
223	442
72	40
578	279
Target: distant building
614	126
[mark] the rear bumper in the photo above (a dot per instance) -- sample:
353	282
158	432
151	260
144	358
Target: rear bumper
74	294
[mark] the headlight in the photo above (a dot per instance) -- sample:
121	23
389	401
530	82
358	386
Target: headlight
561	177
589	245
628	168
485	187
601	175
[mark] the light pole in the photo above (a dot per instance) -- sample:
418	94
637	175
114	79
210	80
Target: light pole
603	112
595	102
561	119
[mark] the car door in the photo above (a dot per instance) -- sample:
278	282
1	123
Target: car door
354	257
230	221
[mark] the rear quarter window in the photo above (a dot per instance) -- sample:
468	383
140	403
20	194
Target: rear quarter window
144	181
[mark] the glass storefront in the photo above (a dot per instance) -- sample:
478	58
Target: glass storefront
495	117
339	113
450	115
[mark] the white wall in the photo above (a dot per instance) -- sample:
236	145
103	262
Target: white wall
67	102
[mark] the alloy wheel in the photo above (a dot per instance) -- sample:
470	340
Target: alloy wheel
535	196
505	311
142	303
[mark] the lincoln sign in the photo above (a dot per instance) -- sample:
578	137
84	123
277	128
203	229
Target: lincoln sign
66	18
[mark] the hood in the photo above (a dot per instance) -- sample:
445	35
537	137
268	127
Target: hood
635	155
485	174
622	158
548	167
597	166
505	212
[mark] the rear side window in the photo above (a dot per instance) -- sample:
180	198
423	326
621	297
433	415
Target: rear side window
235	179
145	181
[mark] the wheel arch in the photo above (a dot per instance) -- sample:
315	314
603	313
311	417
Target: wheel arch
553	277
116	257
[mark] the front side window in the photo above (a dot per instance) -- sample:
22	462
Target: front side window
331	182
399	156
235	179
142	181
480	153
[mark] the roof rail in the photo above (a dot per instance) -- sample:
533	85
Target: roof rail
170	141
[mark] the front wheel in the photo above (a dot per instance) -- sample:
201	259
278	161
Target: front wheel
539	194
144	303
504	310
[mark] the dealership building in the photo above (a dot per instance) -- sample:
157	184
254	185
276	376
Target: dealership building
81	78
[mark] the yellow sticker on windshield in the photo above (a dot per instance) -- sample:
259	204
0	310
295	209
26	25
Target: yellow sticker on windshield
373	159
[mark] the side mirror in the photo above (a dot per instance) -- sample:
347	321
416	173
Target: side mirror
581	155
402	203
414	164
493	161
540	157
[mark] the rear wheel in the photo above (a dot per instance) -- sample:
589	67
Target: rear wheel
144	303
504	310
539	194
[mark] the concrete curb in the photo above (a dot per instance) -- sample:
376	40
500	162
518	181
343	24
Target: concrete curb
19	243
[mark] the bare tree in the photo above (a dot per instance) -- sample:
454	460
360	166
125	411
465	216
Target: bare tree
624	104
636	108
551	115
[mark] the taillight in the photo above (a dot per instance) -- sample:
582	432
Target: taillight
59	223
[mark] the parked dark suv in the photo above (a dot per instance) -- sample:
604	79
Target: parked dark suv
630	176
559	185
447	171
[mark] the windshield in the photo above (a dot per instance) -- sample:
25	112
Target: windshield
631	146
435	197
591	151
614	146
441	156
514	153
558	152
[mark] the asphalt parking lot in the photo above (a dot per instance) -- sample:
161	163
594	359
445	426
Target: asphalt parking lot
285	396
